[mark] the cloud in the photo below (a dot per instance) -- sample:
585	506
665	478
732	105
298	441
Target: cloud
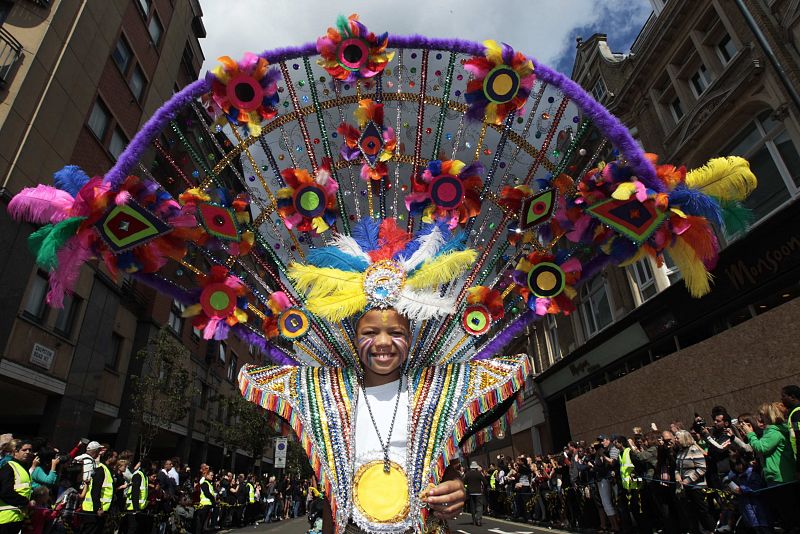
544	29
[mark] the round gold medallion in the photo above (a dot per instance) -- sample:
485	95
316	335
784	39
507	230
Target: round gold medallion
381	497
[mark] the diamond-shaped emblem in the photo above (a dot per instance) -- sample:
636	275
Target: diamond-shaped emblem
634	219
371	143
218	221
537	208
129	225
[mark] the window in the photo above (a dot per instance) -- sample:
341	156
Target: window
66	315
176	317
144	6
99	119
196	334
726	49
118	143
112	358
155	29
700	80
232	367
138	83
676	109
221	352
122	55
35	305
771	152
673	273
595	306
203	395
642	274
551	332
599	90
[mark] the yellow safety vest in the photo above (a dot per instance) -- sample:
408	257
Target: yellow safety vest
143	488
629	479
792	434
106	493
22	486
205	501
251	493
493	480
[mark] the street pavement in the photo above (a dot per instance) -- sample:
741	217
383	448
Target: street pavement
461	525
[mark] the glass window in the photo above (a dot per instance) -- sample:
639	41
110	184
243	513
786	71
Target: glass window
232	367
642	274
726	49
700	80
144	5
676	109
138	83
551	331
673	273
122	54
221	352
176	317
595	306
599	90
35	305
118	143
789	155
66	315
99	119
112	358
155	29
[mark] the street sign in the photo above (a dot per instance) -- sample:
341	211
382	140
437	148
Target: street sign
42	356
281	445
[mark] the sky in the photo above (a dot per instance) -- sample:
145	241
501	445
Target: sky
543	29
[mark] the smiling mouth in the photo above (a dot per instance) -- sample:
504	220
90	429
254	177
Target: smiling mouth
382	356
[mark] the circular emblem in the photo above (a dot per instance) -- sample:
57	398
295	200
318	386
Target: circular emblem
447	192
244	93
476	319
310	201
371	145
539	207
381	497
293	323
501	84
546	280
218	300
352	53
383	282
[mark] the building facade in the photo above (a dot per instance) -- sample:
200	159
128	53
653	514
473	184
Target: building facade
702	80
77	81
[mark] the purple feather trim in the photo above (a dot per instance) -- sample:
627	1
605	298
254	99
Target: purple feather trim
166	287
275	353
608	124
505	337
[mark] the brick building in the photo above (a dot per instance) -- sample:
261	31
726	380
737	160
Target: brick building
77	80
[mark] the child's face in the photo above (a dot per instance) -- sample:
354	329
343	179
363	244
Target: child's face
382	343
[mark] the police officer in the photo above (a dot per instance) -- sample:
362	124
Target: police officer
15	487
136	499
250	508
207	499
97	498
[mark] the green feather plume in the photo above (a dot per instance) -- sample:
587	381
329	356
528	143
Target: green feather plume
736	218
47	240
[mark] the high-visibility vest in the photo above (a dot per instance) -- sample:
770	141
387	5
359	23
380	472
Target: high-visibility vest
629	479
22	486
205	501
106	493
251	493
143	489
792	434
493	480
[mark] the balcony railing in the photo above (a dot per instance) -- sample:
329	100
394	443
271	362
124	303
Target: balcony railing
10	52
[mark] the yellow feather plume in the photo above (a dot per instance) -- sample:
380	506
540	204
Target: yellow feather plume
723	178
494	52
697	278
324	281
441	270
339	306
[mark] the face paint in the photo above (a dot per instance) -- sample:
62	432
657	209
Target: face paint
365	349
385	317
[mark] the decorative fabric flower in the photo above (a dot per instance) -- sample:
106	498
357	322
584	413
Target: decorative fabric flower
221	303
484	306
224	224
447	190
283	319
374	142
547	282
350	51
308	203
502	82
135	228
247	91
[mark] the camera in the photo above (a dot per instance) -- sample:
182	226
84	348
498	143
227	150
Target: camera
64	459
699	424
734	421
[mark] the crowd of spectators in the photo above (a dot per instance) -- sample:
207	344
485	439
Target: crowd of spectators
93	489
731	474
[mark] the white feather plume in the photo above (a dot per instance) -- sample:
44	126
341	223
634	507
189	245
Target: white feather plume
429	245
421	305
348	245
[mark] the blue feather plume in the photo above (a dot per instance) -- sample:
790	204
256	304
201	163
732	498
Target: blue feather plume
365	233
457	242
414	244
693	202
336	259
70	179
622	249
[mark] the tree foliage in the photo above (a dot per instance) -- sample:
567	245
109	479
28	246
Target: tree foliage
162	393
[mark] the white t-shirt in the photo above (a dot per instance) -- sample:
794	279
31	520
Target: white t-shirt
382	401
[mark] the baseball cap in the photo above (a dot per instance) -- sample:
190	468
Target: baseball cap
474	465
602	437
93	446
